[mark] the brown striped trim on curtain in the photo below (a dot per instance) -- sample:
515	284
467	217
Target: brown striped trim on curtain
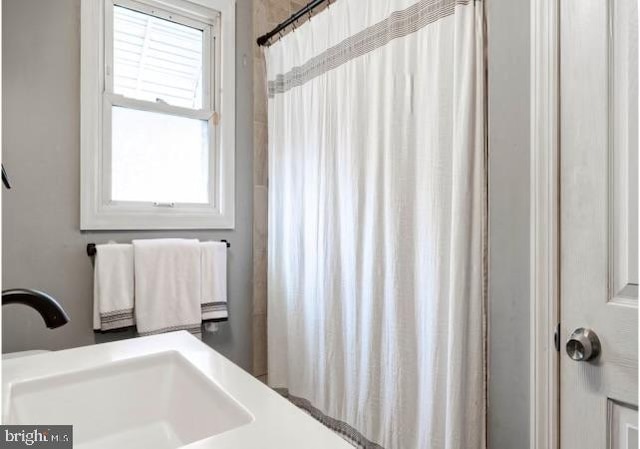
344	429
398	24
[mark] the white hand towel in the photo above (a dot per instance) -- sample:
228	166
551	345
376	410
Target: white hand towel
168	285
113	287
214	281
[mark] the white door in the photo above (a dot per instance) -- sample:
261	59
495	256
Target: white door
599	222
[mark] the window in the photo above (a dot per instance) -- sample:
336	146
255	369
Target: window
157	114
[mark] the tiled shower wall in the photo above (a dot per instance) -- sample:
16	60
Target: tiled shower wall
266	15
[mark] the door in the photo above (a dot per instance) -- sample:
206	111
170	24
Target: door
599	224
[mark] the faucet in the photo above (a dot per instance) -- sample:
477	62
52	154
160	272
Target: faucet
49	309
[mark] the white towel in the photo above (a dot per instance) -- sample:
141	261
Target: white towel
214	281
113	287
168	285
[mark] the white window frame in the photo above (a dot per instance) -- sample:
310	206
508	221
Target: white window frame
97	210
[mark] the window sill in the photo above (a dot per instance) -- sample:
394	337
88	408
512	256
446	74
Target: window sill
156	220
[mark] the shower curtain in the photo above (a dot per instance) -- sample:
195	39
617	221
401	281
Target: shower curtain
377	221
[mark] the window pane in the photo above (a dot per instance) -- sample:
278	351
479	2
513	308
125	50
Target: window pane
158	157
155	59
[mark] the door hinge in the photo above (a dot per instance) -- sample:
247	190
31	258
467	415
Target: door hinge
556	337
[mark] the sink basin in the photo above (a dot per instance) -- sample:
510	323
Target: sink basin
157	401
161	391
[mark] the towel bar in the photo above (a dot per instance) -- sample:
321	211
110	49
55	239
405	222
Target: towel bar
91	248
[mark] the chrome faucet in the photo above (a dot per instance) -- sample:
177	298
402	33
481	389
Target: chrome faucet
49	309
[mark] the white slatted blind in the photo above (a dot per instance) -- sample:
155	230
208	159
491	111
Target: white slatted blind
156	59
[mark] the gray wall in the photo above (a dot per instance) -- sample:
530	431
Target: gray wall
43	247
508	36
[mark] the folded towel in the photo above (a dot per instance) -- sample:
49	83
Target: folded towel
214	281
113	287
168	285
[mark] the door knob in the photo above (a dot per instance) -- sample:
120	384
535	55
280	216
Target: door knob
583	345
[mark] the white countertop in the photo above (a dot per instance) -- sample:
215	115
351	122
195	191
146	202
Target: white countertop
277	423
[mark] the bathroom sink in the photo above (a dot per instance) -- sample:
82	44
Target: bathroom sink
157	401
162	391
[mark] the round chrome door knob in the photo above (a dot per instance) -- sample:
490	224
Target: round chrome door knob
583	345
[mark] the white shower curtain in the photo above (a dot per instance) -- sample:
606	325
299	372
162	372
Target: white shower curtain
377	221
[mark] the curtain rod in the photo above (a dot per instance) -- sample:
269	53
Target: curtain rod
263	40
